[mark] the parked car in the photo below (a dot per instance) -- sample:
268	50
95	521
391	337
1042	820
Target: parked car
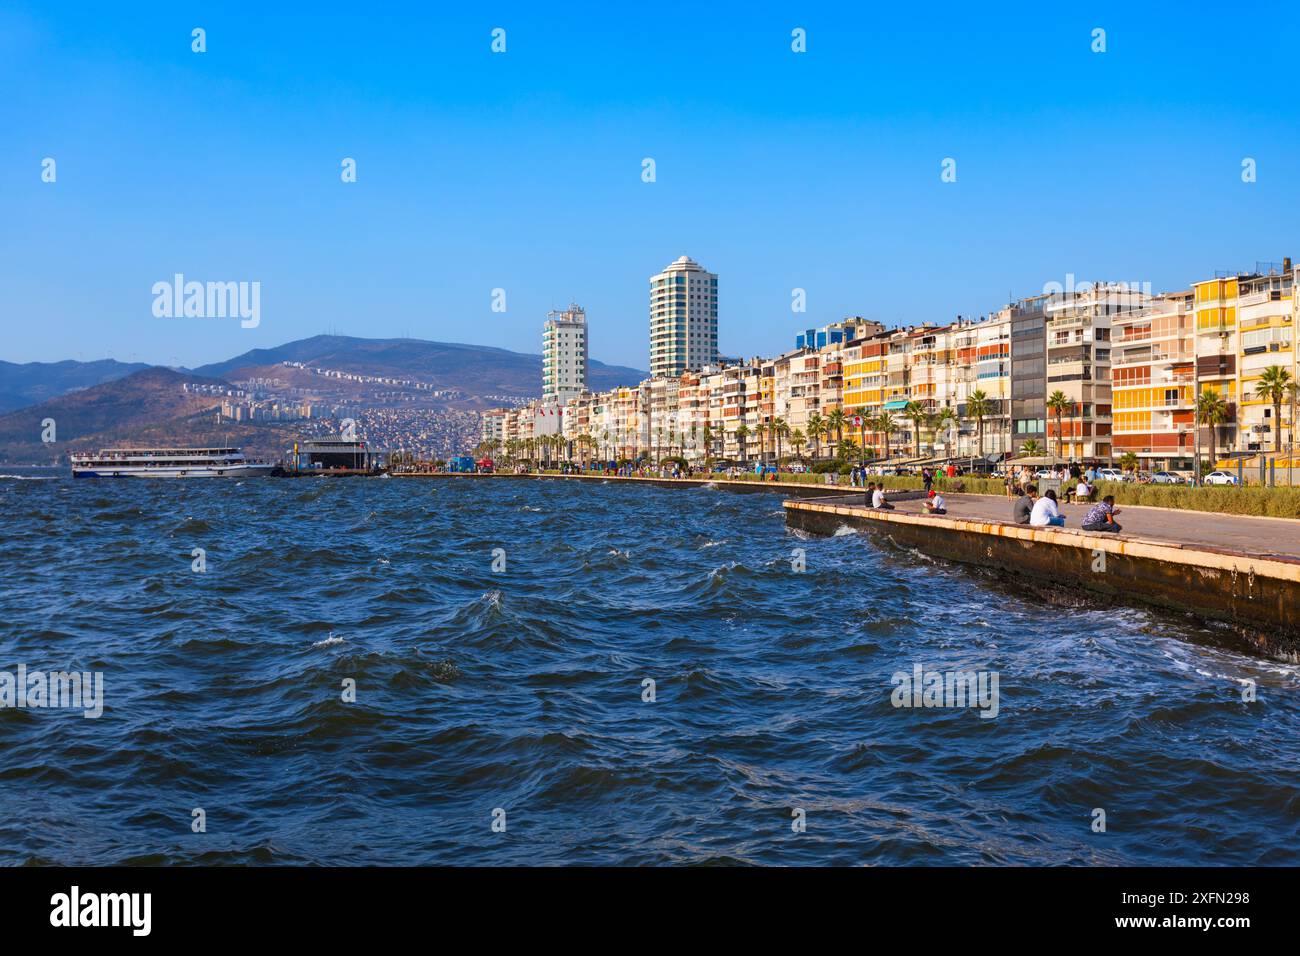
1220	478
1110	474
1166	478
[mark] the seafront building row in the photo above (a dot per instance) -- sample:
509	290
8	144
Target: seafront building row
1129	364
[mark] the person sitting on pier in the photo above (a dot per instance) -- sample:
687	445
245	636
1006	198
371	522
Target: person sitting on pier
878	499
869	492
935	505
1024	505
1046	514
1101	516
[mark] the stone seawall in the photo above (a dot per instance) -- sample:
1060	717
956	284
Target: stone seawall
1258	596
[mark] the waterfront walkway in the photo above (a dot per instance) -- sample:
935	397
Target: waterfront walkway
1201	530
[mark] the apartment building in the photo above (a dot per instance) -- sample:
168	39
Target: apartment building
1217	350
864	380
1129	364
1265	338
1078	348
494	425
1028	324
981	353
1153	372
800	395
663	396
741	397
683	319
564	354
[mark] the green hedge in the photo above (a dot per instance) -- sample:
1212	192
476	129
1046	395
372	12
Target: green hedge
1224	499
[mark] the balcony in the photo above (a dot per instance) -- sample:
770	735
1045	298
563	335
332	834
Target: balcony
1259	298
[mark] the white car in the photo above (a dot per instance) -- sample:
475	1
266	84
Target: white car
1166	478
1110	474
1220	478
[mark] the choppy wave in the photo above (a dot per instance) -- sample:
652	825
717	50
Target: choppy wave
647	677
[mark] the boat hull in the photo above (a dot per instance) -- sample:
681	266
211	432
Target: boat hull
226	471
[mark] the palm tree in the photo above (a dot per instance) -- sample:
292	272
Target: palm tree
1272	387
1031	448
1058	402
942	418
1211	410
780	428
797	441
978	407
1128	461
816	432
915	413
863	422
835	422
1293	395
848	449
760	432
741	433
886	426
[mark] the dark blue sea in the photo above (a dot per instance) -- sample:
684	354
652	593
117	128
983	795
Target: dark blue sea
500	715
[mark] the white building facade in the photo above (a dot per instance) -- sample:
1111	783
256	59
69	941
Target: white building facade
683	319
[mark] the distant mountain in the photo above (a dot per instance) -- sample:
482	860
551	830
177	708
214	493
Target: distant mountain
33	382
479	371
125	410
476	370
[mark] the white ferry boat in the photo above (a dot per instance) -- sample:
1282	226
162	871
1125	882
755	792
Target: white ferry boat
167	463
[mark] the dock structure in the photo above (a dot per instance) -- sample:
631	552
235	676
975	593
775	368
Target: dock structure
334	456
1241	571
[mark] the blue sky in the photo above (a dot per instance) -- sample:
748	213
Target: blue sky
522	170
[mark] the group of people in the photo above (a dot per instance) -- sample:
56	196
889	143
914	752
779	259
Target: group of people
1045	512
928	474
1018	477
934	503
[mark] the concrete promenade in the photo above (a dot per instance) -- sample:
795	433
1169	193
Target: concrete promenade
1265	537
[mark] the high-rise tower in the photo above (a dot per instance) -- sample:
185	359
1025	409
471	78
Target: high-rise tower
683	318
564	354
